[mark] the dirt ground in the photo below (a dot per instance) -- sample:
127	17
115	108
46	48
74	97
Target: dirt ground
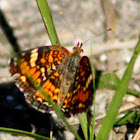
86	19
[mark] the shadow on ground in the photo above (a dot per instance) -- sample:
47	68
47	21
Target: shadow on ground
16	113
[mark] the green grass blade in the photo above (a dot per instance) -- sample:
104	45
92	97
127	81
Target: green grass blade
131	117
22	133
47	19
118	98
92	125
91	131
84	124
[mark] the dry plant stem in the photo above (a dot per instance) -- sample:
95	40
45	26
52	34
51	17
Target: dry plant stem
137	136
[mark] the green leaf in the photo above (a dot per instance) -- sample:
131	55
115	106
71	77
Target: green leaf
131	117
112	81
109	81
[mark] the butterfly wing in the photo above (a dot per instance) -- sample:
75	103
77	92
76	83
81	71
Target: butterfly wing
80	95
38	68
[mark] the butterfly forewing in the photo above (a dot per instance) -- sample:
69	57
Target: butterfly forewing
39	68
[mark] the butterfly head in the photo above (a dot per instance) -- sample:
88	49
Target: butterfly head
78	49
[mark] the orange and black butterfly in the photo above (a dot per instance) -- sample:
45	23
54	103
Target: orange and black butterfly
65	77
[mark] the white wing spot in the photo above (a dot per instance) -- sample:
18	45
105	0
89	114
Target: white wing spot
15	59
53	67
16	75
33	57
42	70
34	50
23	79
89	80
45	103
39	99
22	54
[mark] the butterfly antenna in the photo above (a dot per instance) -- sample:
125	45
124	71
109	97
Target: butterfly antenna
81	45
110	29
61	13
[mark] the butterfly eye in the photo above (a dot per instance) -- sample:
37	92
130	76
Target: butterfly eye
74	48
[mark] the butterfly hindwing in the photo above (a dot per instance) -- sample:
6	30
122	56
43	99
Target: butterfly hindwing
80	95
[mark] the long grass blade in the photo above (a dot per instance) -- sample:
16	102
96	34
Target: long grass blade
48	21
22	133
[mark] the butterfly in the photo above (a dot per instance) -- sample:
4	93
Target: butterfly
65	77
